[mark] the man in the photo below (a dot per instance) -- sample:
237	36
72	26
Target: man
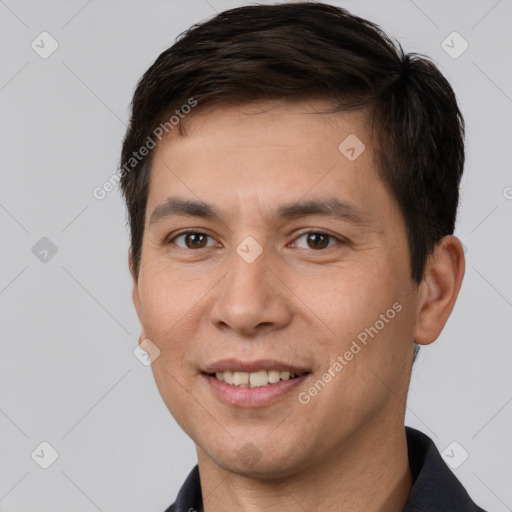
291	178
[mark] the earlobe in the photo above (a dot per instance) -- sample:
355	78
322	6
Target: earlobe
439	289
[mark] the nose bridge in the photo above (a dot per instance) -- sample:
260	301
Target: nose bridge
247	287
251	297
250	264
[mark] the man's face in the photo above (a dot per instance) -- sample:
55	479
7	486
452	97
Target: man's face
303	301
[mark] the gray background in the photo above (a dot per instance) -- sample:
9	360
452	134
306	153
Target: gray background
68	375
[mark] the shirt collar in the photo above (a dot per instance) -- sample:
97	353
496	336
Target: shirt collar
435	487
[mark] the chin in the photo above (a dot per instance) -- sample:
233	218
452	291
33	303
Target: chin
266	462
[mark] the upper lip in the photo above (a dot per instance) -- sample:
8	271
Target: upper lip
237	365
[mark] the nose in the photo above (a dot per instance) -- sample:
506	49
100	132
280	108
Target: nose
252	299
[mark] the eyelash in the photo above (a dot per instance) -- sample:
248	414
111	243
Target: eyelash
310	232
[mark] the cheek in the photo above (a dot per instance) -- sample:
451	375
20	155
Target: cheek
166	322
365	315
164	299
176	389
348	299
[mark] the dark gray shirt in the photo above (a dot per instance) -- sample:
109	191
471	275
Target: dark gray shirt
435	488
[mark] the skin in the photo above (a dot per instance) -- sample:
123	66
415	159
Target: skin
345	449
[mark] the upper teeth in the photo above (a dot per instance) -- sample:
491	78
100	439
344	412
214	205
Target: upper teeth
254	379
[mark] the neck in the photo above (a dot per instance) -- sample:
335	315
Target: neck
371	474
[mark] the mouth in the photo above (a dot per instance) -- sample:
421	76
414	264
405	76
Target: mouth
254	389
256	379
254	374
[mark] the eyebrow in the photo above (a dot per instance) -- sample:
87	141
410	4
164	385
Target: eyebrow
328	207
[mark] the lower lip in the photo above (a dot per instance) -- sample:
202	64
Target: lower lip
253	397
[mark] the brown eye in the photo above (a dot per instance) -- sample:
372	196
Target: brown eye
192	240
195	240
316	240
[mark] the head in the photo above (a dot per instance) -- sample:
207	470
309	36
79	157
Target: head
265	124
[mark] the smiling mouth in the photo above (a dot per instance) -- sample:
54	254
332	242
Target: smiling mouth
254	379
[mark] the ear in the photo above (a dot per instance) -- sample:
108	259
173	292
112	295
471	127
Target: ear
439	289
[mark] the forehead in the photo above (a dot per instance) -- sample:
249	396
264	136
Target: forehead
258	119
269	152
